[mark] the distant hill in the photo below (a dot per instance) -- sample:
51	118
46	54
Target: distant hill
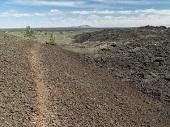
83	26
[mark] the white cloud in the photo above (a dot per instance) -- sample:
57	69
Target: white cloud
125	1
137	13
98	18
47	3
94	12
55	11
14	14
39	14
123	18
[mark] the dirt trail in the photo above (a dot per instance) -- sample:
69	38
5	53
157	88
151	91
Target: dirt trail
40	119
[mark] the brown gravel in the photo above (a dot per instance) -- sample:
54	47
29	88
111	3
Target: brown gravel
84	95
17	89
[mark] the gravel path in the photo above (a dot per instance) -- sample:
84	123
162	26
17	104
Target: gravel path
39	120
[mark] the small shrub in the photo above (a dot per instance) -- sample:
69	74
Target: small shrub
51	40
29	32
61	32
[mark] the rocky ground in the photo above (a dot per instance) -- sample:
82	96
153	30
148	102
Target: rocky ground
141	55
43	85
17	89
86	95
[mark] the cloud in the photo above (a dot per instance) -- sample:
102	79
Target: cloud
13	13
55	11
115	13
39	14
97	18
94	12
130	1
114	18
110	21
47	3
137	13
124	1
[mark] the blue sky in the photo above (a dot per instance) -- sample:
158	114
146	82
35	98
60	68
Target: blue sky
97	13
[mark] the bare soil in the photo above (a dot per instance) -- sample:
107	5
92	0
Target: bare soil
46	86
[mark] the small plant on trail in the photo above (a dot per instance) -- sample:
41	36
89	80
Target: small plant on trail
51	40
29	32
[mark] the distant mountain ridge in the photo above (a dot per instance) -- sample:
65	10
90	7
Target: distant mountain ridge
83	26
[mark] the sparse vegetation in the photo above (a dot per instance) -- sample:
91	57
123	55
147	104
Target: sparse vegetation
51	40
29	32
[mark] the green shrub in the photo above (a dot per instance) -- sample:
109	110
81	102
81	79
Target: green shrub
29	32
51	40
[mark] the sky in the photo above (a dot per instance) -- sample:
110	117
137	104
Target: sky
96	13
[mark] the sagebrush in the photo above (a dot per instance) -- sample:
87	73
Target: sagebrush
51	40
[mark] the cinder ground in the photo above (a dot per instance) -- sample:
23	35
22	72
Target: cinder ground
46	86
140	55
